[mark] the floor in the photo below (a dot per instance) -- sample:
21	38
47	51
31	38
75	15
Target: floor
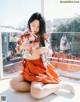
12	96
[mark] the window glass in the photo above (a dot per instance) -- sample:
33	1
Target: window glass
13	21
63	20
59	12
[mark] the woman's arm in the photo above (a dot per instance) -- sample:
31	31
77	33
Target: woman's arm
25	46
23	43
21	47
44	50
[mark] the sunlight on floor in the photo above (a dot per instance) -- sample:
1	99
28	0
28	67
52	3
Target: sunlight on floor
61	96
4	85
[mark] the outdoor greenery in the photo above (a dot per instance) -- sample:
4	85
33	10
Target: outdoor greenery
71	25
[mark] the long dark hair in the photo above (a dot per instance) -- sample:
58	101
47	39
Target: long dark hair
42	30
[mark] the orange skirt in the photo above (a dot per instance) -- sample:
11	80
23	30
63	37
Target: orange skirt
34	70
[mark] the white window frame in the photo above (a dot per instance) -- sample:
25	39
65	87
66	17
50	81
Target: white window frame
42	7
1	61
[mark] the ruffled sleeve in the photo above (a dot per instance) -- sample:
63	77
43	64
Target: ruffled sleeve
19	43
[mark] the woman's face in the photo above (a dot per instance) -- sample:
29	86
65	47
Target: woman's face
34	26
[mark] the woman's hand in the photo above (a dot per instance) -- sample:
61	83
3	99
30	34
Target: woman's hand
25	46
41	76
44	50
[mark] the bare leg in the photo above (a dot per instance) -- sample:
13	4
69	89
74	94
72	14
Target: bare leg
19	84
39	90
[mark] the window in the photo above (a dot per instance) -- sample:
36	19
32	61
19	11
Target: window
13	21
63	20
57	13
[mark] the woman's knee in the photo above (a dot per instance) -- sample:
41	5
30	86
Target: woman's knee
12	83
36	90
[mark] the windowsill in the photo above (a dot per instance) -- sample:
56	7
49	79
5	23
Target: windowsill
13	96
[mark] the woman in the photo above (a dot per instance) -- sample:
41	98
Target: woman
36	77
